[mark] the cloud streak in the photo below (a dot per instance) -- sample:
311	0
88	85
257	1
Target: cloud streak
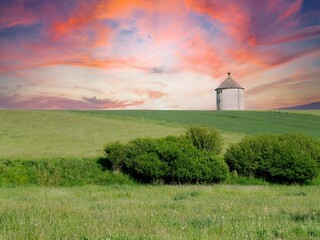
59	103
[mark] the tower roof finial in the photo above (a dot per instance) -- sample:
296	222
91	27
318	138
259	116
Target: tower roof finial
229	73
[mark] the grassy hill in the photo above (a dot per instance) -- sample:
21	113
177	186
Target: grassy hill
49	134
244	122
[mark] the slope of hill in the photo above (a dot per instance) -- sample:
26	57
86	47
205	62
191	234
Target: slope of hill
30	134
309	106
245	122
49	134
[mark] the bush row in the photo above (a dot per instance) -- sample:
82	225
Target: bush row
194	158
186	159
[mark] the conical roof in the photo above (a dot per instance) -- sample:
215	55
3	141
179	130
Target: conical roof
229	83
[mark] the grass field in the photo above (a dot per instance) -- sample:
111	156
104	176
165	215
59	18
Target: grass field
51	134
160	212
43	149
244	122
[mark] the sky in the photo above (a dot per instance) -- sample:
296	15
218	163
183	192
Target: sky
157	54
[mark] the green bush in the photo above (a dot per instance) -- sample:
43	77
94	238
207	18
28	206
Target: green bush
140	146
151	160
116	154
205	138
149	168
136	148
287	158
308	144
170	159
170	148
199	167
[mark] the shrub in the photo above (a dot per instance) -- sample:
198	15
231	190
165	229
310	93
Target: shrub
170	148
149	168
289	165
246	157
150	160
308	144
287	158
205	138
136	148
116	155
199	167
170	159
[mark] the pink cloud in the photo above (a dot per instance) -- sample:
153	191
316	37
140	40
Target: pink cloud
230	13
125	8
198	54
152	94
292	9
287	82
278	24
59	103
269	59
169	30
285	91
89	15
15	14
248	28
302	34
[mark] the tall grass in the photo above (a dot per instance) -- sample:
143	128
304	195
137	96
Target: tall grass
160	212
58	172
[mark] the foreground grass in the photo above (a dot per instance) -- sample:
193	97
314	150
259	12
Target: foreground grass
160	212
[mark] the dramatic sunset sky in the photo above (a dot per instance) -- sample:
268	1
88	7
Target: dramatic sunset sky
157	54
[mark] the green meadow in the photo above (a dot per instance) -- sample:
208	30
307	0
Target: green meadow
242	122
53	187
160	212
51	134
